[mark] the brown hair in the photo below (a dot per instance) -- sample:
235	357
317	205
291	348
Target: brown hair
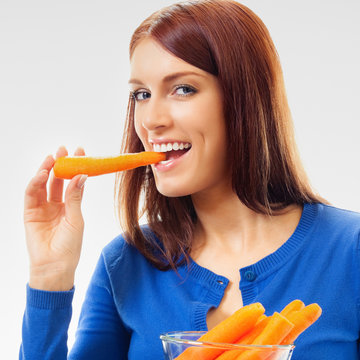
229	41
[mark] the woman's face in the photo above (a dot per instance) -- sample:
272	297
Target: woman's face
179	109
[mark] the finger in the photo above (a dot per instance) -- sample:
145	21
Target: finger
35	192
73	197
79	151
47	164
56	185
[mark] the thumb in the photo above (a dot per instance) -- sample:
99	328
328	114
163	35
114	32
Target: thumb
73	197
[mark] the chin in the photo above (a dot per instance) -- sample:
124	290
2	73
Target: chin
172	191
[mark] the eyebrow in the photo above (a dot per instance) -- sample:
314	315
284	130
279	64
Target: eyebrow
169	77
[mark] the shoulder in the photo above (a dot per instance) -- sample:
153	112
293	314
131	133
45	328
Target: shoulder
339	212
334	217
336	226
338	244
120	253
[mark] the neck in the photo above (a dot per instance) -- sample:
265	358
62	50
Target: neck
226	224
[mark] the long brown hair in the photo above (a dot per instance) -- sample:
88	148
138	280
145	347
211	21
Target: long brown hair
227	40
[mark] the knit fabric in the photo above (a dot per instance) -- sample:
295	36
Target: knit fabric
129	303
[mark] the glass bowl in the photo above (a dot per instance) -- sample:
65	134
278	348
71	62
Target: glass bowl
186	344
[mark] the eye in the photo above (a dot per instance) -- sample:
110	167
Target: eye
140	95
184	90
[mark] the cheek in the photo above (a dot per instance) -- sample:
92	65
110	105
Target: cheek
140	131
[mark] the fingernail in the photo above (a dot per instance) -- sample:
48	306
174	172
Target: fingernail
81	181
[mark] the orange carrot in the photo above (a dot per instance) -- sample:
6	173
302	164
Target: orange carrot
230	354
228	331
249	326
255	332
67	167
302	319
275	331
294	305
246	339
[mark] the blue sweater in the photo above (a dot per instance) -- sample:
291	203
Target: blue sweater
129	303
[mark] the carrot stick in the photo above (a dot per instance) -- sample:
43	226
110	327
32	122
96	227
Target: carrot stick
230	354
302	319
246	339
67	167
228	331
294	305
255	332
275	331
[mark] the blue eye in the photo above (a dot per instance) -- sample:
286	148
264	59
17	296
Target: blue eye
184	90
140	95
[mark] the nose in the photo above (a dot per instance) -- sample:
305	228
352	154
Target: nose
155	115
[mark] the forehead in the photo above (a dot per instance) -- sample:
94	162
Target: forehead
150	59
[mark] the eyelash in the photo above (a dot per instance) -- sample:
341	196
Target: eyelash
135	93
192	89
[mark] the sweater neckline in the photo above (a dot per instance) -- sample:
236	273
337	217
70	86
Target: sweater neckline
266	264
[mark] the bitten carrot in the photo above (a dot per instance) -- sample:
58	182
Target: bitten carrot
294	305
275	331
67	167
228	331
302	319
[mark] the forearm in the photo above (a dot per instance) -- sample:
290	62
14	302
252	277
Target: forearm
45	325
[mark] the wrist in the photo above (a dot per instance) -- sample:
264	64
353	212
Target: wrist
41	279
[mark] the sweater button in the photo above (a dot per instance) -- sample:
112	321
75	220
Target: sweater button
220	282
250	275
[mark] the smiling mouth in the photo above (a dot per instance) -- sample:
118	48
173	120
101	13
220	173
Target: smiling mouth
172	150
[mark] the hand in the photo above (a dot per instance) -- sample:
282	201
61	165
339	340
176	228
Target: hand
53	227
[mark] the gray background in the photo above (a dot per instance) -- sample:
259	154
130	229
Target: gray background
63	81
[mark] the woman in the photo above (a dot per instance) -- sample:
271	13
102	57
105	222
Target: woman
231	216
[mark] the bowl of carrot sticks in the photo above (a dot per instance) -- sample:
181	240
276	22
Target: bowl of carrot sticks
187	346
248	334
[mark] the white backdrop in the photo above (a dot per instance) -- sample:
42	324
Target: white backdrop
63	81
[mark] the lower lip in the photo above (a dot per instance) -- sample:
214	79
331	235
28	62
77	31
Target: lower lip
170	164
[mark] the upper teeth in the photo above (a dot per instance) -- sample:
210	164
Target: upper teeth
170	146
